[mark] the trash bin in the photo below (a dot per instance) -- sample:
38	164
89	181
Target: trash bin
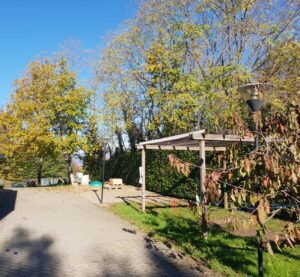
96	184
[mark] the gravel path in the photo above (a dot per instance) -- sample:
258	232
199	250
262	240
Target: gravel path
60	233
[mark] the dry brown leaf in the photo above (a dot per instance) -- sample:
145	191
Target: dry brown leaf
247	166
289	241
297	233
266	181
276	242
233	197
267	207
253	220
261	213
269	247
292	239
215	175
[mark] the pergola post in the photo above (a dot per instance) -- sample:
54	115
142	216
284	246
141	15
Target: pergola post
143	179
202	188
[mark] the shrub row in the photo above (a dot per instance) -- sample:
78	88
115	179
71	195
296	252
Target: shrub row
160	176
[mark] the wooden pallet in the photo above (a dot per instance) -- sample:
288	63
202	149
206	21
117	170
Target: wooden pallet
114	183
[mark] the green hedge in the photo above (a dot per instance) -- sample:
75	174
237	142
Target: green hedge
160	176
125	166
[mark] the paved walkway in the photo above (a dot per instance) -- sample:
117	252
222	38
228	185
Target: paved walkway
60	233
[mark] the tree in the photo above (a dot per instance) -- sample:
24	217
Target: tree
177	65
25	123
93	151
68	111
20	167
267	175
46	115
282	70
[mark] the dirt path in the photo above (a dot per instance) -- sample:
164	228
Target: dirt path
59	233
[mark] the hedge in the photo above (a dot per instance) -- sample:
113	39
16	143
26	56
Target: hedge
160	176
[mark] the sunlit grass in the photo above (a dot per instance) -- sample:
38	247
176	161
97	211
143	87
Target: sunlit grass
225	252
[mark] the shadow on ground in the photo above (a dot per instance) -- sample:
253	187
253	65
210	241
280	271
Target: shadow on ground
184	231
24	256
181	229
7	202
161	266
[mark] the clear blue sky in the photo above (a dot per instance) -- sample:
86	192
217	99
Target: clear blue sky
29	28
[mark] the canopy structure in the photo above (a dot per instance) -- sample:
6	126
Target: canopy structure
193	141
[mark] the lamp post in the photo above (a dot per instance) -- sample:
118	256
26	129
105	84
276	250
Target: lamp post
105	141
255	95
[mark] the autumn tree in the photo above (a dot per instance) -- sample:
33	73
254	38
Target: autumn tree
25	123
46	115
68	113
268	175
177	64
93	149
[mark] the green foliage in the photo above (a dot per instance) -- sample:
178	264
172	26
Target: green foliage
18	168
125	166
282	70
93	151
160	176
227	253
55	167
67	110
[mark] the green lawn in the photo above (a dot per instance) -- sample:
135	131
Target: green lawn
223	251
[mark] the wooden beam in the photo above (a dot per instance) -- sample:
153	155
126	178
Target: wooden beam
202	167
220	138
144	180
181	142
172	138
183	148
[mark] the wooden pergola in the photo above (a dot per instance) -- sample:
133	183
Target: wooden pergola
193	141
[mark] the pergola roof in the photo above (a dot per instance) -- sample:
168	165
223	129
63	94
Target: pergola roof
190	141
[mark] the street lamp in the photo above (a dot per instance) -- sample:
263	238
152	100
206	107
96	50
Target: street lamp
255	95
104	141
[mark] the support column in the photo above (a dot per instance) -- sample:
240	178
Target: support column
144	180
225	188
202	189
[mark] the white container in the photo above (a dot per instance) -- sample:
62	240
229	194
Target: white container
85	180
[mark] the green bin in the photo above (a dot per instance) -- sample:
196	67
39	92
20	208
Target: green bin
96	184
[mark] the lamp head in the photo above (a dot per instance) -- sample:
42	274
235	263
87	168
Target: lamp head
254	94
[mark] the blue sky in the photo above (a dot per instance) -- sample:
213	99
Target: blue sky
32	28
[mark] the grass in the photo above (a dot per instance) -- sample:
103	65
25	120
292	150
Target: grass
224	251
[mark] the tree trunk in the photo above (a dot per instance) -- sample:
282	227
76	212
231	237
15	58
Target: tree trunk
39	171
110	151
260	254
120	140
132	140
69	168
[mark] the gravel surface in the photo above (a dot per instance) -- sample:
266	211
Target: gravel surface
61	233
